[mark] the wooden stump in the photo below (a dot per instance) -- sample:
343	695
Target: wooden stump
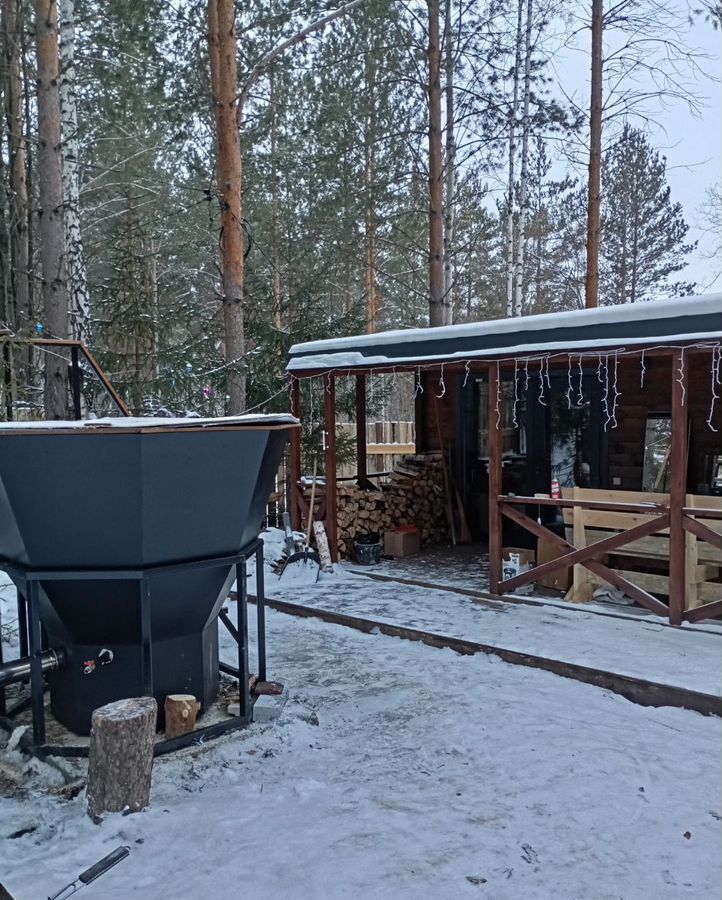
122	735
180	714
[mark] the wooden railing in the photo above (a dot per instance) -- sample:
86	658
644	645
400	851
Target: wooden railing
622	532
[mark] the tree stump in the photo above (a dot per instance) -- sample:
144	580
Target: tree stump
180	714
122	735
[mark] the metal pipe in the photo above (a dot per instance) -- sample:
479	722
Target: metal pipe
19	669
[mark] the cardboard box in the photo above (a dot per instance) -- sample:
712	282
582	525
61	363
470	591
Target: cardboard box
402	541
560	580
526	556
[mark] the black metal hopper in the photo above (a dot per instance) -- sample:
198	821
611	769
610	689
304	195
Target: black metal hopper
104	511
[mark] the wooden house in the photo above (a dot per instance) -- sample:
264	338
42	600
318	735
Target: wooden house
593	434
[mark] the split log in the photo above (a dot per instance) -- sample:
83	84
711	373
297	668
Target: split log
122	735
180	714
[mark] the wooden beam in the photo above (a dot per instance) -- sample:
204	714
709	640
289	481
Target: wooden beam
496	449
329	407
601	505
702	531
361	469
678	488
638	690
295	456
706	611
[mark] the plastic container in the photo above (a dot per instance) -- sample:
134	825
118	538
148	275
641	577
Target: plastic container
368	549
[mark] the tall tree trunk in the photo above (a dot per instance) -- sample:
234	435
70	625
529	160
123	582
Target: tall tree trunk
436	199
77	281
370	226
17	156
450	199
591	287
224	83
524	177
52	238
512	157
275	259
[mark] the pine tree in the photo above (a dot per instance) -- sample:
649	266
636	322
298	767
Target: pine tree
643	230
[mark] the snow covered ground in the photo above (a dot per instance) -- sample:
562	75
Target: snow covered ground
645	648
428	775
402	771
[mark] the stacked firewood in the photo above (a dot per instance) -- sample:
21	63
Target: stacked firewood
413	495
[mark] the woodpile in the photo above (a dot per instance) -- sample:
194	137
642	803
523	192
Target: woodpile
412	495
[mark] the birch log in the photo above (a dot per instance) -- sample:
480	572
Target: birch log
77	281
524	176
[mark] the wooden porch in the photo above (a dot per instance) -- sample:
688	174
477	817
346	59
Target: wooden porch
601	531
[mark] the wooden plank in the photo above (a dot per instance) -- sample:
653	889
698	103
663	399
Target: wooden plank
648	508
604	519
678	490
706	611
361	468
329	408
390	449
582	588
702	531
637	690
496	447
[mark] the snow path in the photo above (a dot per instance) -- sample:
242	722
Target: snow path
636	647
426	769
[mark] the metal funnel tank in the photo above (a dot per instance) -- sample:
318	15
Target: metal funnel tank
101	498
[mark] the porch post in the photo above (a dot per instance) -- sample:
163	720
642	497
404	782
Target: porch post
678	489
496	447
329	404
295	456
361	428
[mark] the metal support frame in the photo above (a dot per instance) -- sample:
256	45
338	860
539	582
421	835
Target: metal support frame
29	625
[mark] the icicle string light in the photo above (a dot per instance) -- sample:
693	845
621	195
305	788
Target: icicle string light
526	375
580	397
498	396
617	395
569	382
643	370
419	389
546	372
541	382
716	354
605	398
680	375
467	372
442	384
516	394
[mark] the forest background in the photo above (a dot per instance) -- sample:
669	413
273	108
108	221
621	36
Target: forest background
191	187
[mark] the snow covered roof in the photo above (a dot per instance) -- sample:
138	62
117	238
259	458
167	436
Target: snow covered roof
154	424
659	322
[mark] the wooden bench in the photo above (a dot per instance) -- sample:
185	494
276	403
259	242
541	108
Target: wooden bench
703	562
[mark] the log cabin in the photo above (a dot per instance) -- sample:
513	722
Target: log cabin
591	437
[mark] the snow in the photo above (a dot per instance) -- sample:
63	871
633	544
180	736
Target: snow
344	352
429	776
134	422
642	648
401	771
348	359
